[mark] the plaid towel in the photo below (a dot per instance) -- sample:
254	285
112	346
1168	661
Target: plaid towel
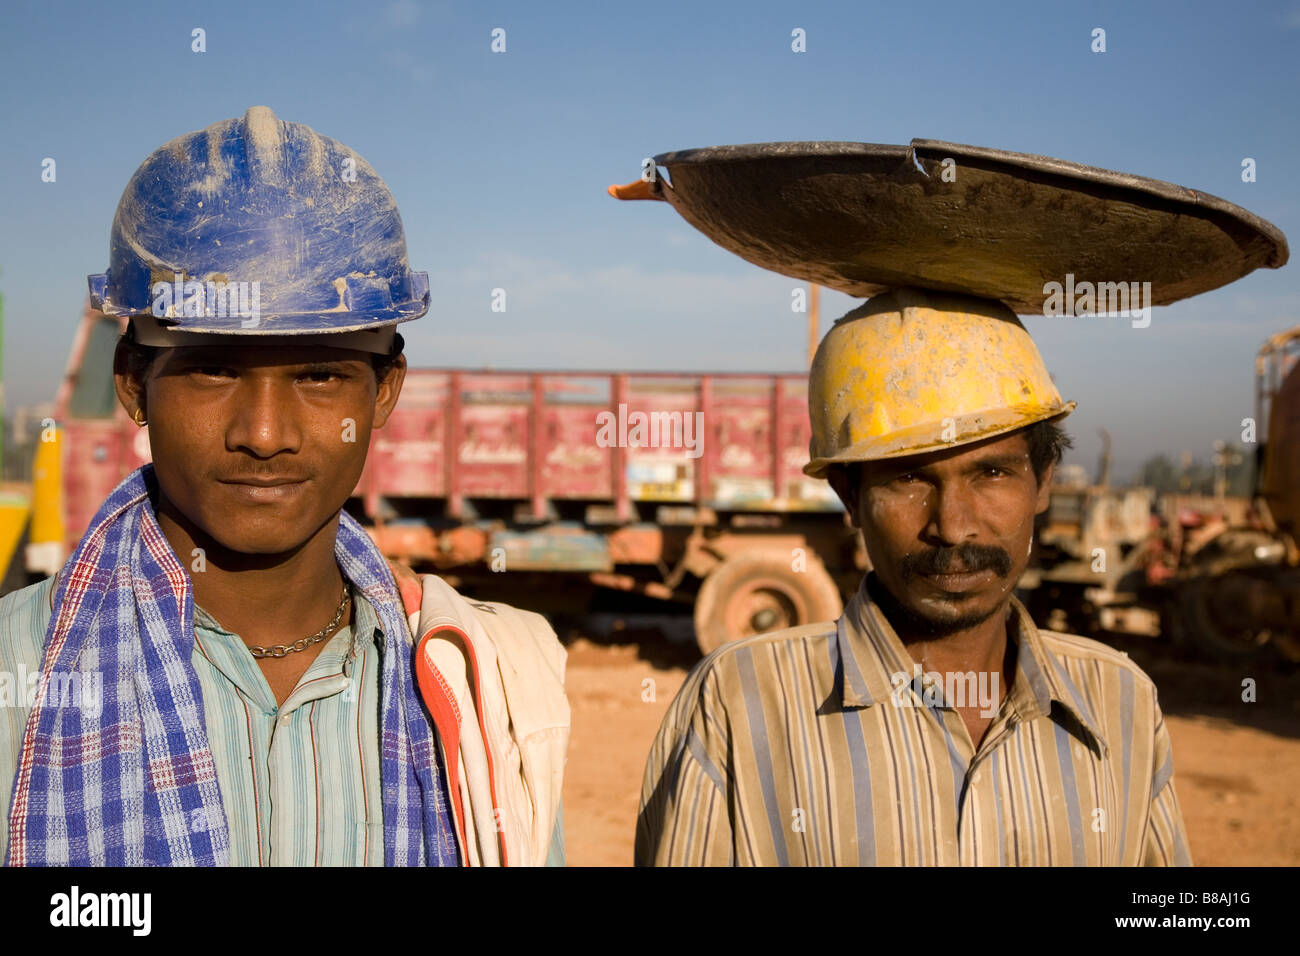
131	781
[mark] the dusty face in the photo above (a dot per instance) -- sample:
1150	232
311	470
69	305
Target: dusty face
949	532
258	447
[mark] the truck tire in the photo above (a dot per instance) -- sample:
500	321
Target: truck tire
1227	618
756	592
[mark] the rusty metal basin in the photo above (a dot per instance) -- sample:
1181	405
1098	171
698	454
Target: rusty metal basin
864	217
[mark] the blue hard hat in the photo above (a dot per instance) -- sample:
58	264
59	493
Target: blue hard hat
263	213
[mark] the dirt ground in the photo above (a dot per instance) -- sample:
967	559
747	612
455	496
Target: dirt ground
1237	764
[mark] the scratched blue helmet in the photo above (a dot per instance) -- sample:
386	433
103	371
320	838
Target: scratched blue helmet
256	226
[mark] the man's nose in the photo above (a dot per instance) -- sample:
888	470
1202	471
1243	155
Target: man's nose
954	514
264	422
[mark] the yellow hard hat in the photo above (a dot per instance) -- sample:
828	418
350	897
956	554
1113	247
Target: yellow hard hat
912	371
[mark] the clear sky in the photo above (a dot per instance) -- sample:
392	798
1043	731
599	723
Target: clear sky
499	162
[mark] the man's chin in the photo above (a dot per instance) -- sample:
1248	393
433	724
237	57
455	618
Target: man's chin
933	622
934	613
238	533
253	540
260	547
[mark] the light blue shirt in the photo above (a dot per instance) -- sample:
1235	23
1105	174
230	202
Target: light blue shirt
300	782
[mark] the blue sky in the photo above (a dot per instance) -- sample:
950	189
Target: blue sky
499	162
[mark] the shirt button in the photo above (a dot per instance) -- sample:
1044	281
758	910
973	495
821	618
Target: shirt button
975	777
285	719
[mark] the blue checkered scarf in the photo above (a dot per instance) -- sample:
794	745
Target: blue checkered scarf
131	781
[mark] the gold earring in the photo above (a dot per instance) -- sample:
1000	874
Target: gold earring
139	418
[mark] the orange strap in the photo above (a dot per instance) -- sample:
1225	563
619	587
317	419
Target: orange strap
440	700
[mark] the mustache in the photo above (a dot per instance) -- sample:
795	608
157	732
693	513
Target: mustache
965	557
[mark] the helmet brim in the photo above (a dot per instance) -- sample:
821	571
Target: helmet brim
967	429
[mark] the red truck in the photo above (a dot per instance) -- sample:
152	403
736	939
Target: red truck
679	487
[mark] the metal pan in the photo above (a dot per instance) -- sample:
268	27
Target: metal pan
864	217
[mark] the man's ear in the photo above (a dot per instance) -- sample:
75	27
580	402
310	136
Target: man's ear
390	388
1045	489
130	390
847	491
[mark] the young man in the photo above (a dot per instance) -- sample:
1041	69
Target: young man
933	723
228	673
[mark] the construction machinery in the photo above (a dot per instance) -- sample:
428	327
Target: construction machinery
1238	590
1217	574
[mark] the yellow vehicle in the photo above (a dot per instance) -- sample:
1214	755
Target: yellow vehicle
82	452
15	504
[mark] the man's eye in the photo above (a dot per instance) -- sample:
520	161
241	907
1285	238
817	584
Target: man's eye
322	376
212	371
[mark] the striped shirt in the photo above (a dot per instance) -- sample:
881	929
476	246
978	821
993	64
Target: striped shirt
300	782
811	746
299	785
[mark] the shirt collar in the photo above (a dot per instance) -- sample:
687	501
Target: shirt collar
871	653
367	628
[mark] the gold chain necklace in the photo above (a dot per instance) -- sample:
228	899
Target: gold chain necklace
282	650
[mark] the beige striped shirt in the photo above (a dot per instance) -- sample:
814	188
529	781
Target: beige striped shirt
811	746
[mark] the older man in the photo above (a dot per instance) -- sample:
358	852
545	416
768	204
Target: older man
260	697
933	723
